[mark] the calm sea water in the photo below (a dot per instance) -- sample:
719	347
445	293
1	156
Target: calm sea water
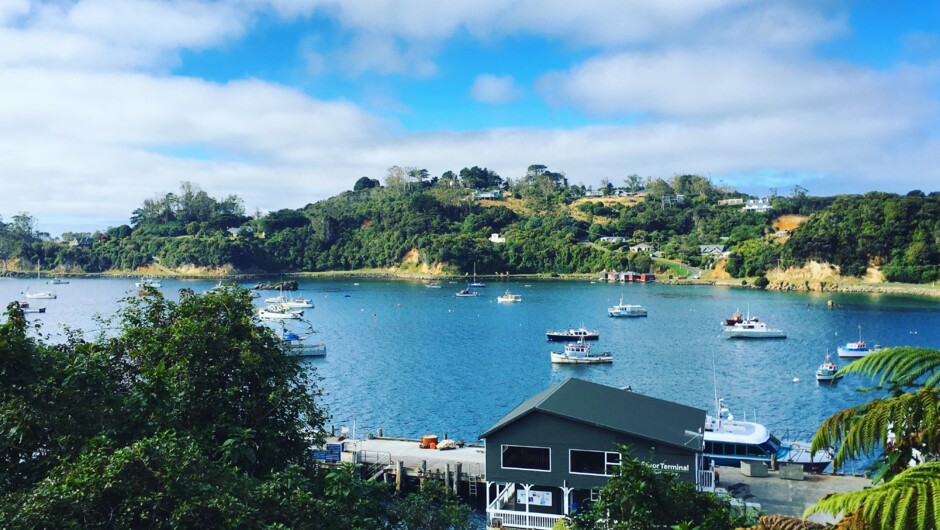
413	360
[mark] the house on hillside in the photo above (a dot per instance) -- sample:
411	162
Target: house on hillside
488	194
81	242
711	250
731	202
757	205
555	450
496	238
642	247
612	239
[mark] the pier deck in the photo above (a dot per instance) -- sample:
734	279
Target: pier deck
790	497
473	457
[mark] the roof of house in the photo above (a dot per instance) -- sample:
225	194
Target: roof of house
613	409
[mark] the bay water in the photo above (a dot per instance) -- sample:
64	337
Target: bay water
412	360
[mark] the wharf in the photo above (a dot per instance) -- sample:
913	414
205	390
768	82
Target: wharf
791	497
410	453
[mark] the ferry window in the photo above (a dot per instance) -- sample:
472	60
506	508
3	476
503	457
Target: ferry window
531	458
774	442
753	450
709	448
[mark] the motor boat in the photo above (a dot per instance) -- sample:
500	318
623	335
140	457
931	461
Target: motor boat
572	334
626	310
580	353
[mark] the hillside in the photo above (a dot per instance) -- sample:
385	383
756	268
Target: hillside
433	228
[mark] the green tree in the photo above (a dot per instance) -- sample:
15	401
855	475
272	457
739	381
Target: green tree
637	498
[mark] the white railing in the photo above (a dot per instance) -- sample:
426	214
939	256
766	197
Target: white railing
705	480
526	520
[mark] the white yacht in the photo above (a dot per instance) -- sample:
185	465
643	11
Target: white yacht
752	328
626	310
509	298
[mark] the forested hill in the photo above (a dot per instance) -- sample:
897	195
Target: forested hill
446	224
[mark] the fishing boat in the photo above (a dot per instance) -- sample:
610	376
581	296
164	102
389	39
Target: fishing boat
432	285
572	334
752	328
728	442
580	353
299	346
827	371
509	298
467	293
857	350
622	310
736	318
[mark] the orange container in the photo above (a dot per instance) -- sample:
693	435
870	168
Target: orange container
429	441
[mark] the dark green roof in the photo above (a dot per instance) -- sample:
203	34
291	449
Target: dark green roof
613	409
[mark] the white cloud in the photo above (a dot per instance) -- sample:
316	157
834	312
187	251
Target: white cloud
494	89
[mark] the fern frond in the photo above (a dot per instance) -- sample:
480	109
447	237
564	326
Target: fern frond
908	501
902	366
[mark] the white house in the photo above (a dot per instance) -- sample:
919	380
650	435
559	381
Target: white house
757	205
489	194
612	239
496	238
642	247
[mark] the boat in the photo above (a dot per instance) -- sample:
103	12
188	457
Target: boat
736	318
509	298
752	328
432	285
57	281
580	353
827	371
572	334
857	350
24	305
475	284
42	295
626	310
276	312
149	282
297	345
467	293
296	303
728	442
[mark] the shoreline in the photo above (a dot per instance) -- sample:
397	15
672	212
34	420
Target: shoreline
925	290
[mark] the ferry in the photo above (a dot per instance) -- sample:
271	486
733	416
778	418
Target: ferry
728	442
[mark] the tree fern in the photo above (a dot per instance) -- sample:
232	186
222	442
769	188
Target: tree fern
908	422
910	501
899	367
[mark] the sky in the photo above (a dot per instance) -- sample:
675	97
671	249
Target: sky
106	103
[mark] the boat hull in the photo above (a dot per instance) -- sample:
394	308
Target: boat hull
743	334
567	337
41	296
854	354
723	460
561	358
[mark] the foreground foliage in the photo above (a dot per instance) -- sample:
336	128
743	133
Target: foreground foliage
638	498
904	430
186	415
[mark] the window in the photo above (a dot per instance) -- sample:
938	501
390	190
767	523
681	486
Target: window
531	458
592	462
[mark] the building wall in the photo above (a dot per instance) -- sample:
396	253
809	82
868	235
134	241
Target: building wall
539	429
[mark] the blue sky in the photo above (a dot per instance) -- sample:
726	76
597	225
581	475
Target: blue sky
286	102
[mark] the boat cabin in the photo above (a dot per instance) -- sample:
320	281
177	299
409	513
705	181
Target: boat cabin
554	451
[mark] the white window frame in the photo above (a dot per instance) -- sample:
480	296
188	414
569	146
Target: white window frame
502	450
606	462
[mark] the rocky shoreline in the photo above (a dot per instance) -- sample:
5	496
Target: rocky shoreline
932	291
